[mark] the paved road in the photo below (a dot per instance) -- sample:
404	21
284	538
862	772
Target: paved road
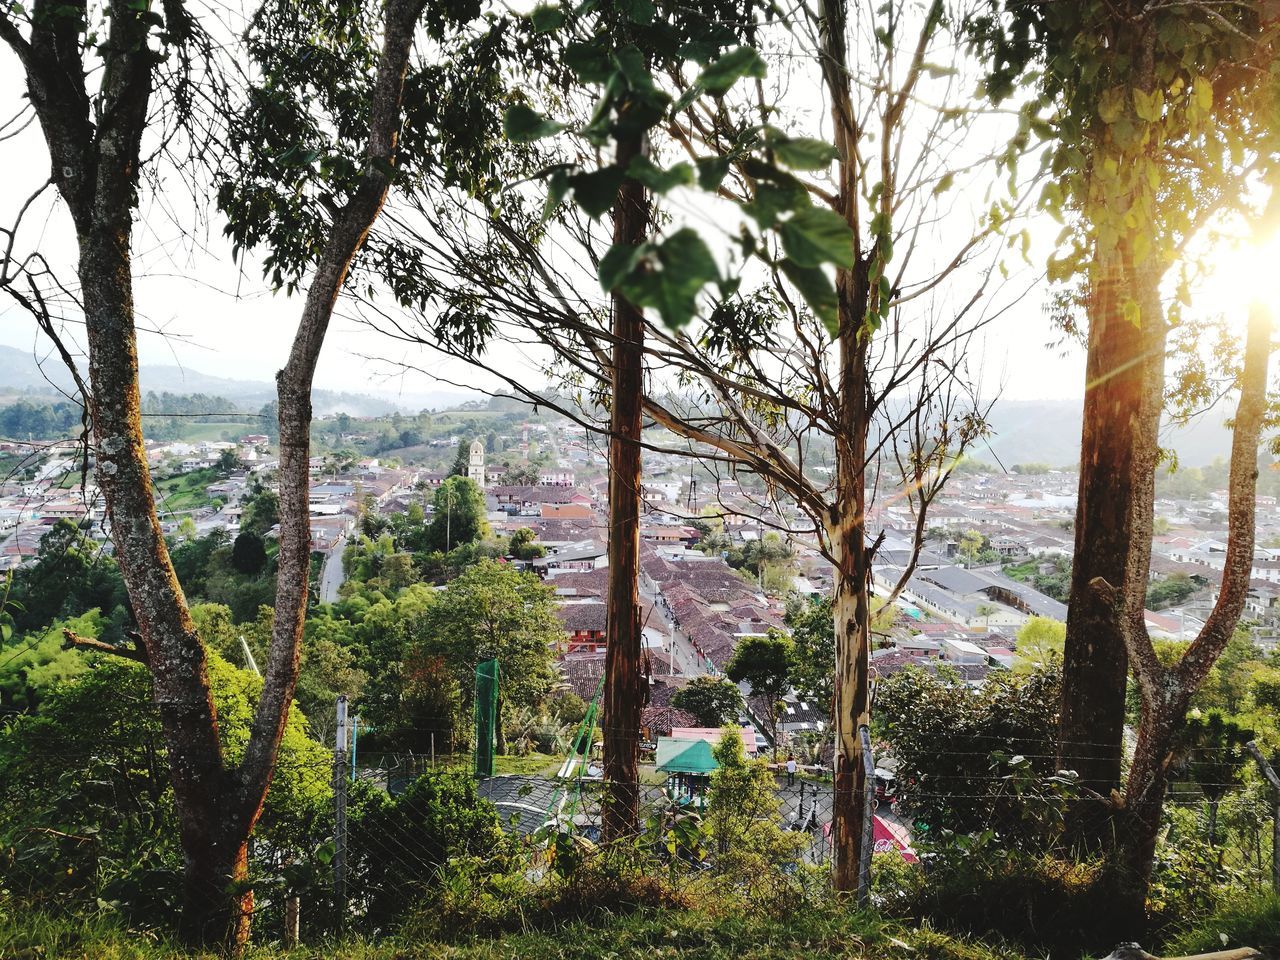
331	575
686	658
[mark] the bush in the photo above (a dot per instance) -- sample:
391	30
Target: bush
1050	907
399	845
86	811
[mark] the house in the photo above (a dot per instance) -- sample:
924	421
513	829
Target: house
566	511
556	477
580	557
584	626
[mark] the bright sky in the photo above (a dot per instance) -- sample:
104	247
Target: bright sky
222	321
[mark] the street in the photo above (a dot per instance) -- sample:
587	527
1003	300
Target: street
331	575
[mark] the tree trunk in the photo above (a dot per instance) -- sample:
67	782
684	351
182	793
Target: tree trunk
1144	805
624	679
1167	691
1119	448
176	656
846	528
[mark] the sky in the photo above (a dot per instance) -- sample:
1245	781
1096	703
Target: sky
208	314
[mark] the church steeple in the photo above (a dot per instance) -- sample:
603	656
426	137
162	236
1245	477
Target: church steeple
475	466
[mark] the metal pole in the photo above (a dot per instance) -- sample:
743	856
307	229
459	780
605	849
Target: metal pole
1273	780
340	814
868	818
355	731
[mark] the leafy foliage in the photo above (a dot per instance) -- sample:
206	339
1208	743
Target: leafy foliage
712	701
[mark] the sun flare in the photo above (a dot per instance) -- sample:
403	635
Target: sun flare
1238	275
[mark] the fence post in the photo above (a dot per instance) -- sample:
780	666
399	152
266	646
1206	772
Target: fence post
1273	781
868	817
292	917
340	815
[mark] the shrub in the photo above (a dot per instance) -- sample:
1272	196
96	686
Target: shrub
398	845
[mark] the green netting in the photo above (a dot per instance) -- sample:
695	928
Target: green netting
486	716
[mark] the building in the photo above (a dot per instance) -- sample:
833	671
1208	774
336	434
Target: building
475	465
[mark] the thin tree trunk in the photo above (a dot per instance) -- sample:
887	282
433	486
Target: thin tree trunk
846	529
624	679
1167	691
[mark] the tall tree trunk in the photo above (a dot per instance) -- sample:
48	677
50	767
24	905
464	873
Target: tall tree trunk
624	679
846	528
1124	380
180	683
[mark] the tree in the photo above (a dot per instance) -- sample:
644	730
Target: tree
493	611
936	728
248	555
261	512
1153	134
743	812
970	546
461	460
1210	749
764	664
1039	644
94	138
459	515
96	737
813	652
713	701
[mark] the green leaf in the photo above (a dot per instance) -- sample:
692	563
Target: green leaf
588	62
686	98
676	272
631	61
557	187
711	170
657	179
772	199
617	263
638	11
818	292
804	153
739	62
815	235
945	182
546	18
524	125
595	192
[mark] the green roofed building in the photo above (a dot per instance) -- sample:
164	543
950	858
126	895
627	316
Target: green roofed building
684	756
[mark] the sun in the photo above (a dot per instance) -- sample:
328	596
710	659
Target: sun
1235	275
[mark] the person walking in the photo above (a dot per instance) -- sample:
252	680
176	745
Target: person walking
791	769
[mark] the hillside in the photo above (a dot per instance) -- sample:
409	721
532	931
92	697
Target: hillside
22	371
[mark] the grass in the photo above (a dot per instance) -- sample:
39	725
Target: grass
530	764
186	491
696	934
1252	921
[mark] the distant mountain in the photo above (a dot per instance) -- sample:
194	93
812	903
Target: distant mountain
1048	431
23	372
